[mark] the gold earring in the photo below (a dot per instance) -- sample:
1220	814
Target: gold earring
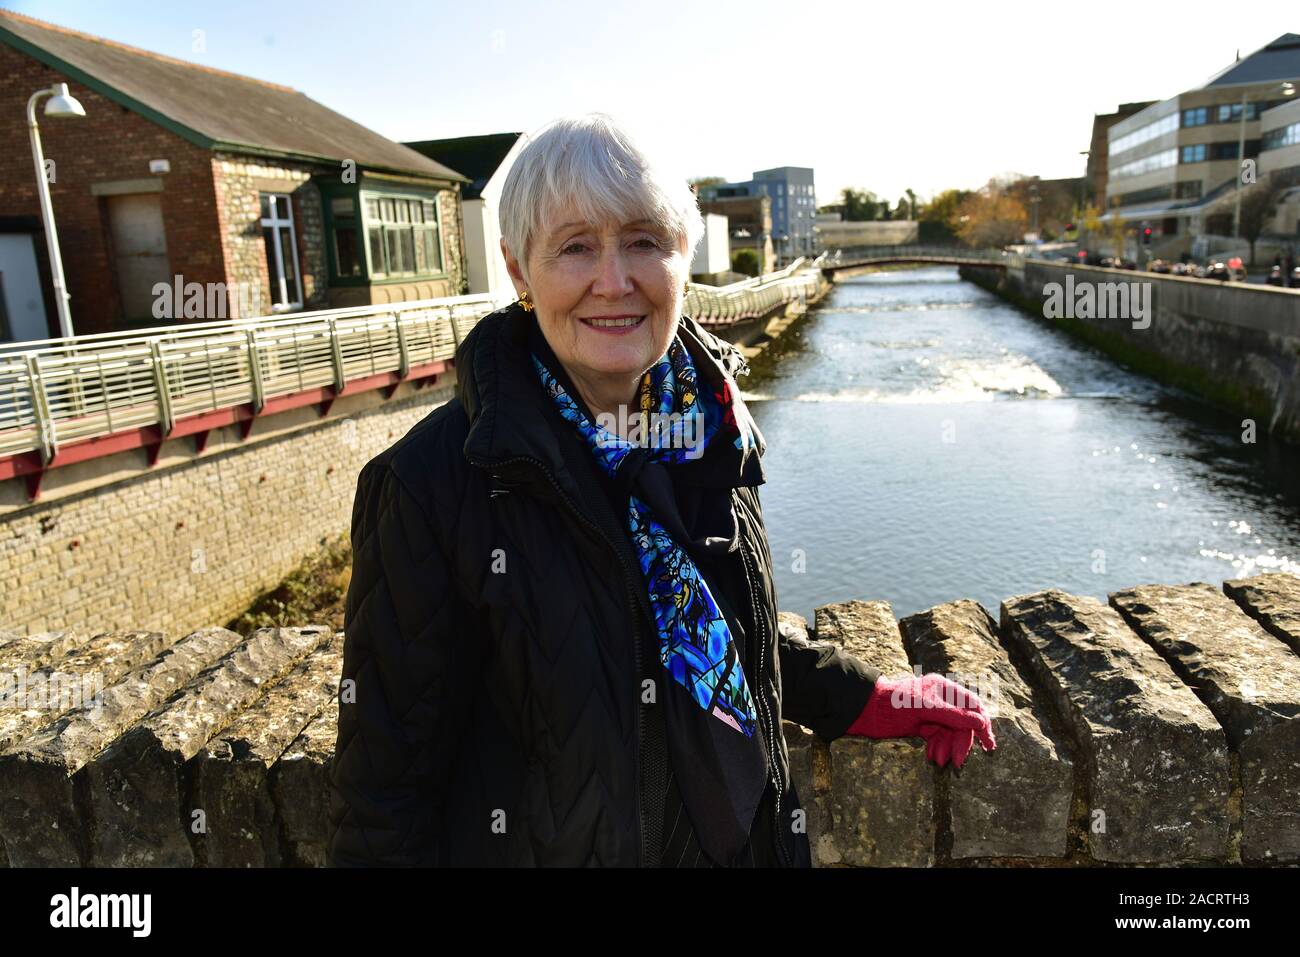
524	304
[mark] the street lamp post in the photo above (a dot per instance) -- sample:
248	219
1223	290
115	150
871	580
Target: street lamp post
1286	89
62	104
1083	184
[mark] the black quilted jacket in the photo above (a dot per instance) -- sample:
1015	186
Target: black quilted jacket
497	630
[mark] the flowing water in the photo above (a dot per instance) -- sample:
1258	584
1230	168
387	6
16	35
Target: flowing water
929	442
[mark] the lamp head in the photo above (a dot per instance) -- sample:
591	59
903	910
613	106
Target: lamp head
62	103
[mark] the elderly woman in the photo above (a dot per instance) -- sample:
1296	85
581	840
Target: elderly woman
562	644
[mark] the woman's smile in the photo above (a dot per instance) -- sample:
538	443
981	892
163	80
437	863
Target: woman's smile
613	325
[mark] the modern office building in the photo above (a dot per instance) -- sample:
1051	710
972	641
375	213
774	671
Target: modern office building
794	206
1174	165
1279	157
1098	156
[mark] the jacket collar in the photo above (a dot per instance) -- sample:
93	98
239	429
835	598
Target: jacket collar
511	417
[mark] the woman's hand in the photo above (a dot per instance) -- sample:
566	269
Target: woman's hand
943	712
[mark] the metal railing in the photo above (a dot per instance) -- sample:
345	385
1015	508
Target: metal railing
848	255
754	297
58	391
64	390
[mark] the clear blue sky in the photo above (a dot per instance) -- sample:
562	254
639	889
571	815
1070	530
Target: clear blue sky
880	96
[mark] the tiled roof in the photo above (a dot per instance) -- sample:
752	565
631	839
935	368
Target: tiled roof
213	108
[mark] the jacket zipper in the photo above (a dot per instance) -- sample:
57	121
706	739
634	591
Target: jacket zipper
636	630
761	620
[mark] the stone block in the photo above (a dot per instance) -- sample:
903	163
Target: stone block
1155	761
300	787
138	786
39	816
881	792
1013	801
232	769
1251	682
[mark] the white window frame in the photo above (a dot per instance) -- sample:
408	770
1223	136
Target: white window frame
276	224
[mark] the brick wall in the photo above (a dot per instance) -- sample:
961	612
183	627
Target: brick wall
195	542
77	147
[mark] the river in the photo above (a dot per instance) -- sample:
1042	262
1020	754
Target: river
929	442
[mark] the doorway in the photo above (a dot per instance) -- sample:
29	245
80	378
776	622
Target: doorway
139	252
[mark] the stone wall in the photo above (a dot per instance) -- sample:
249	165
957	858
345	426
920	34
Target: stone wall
1162	727
114	543
1233	343
239	184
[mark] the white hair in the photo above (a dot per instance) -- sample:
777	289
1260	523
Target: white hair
590	163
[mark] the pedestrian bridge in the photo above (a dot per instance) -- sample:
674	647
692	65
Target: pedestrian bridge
853	260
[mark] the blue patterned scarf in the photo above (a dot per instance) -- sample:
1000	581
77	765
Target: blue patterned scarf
680	422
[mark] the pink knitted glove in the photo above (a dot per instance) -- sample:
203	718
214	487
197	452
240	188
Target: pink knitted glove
943	712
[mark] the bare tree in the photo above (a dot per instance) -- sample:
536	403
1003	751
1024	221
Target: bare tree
1258	203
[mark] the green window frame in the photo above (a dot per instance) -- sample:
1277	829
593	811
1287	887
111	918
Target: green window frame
344	236
403	235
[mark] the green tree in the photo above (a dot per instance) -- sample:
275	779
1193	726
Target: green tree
860	205
745	261
940	215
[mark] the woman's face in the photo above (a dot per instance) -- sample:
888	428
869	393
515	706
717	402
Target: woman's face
607	295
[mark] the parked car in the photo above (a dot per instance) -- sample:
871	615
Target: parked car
1275	277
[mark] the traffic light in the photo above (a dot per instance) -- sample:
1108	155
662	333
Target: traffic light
1146	235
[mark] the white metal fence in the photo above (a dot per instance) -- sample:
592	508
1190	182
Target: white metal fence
65	390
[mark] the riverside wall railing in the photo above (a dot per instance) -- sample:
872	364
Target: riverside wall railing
755	297
66	390
58	395
849	257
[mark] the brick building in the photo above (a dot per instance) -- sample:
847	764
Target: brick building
180	174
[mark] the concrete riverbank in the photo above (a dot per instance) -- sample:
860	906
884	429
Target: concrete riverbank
1160	728
752	336
1234	344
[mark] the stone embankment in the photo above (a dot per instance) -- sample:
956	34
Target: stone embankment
1161	727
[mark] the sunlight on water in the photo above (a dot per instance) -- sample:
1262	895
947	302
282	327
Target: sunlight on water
909	459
